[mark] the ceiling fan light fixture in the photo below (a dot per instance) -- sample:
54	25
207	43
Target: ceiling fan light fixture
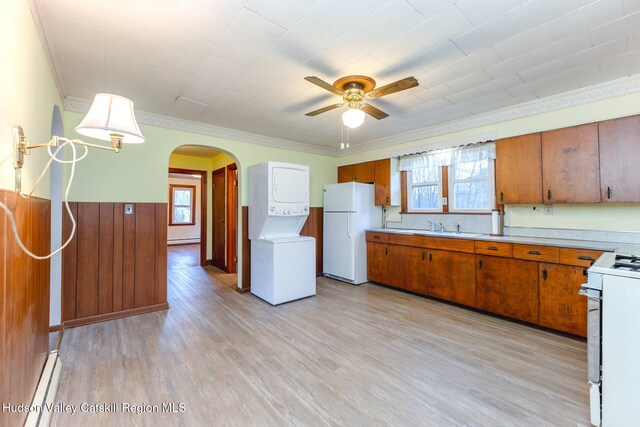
353	118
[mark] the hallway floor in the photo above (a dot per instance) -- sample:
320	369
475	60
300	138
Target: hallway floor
350	356
181	256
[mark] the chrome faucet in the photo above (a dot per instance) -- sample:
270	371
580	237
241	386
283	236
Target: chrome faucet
442	230
457	228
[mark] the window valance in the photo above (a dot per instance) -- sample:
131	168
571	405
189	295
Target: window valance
445	157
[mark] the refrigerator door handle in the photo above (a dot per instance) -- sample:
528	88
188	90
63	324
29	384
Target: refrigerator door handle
349	226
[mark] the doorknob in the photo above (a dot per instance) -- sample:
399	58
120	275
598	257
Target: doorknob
222	220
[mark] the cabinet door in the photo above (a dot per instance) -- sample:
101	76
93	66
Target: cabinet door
364	172
519	169
561	307
346	173
408	268
508	287
378	262
382	177
452	277
571	165
620	159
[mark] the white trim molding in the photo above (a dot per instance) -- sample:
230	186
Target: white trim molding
78	105
612	89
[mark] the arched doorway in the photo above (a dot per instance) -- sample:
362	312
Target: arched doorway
204	227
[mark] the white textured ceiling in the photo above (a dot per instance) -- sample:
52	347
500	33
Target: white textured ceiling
240	64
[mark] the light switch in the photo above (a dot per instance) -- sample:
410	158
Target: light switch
128	209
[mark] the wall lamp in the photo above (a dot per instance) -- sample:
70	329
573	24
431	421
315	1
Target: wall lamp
110	118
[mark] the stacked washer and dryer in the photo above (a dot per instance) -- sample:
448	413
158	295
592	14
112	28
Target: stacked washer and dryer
283	263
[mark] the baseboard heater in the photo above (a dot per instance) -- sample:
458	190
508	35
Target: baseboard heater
46	392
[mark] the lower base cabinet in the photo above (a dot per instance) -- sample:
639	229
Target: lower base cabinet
378	262
539	292
408	268
451	276
561	307
508	287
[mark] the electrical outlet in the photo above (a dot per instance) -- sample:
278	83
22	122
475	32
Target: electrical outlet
548	209
444	201
128	209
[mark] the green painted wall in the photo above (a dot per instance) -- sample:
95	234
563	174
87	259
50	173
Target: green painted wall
610	217
28	93
139	171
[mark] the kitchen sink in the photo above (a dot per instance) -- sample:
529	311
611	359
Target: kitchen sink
460	235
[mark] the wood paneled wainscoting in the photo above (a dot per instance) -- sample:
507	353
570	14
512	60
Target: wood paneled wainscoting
24	305
116	265
312	228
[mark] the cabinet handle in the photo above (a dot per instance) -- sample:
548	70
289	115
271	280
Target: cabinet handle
430	257
386	251
544	274
492	248
501	196
480	265
533	252
585	258
549	194
609	192
387	199
376	237
423	256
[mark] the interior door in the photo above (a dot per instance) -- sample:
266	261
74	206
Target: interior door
339	244
218	219
232	216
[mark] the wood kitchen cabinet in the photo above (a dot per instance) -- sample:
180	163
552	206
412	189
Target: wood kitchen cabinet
382	180
359	172
519	169
408	268
377	172
620	159
508	287
561	307
378	262
571	165
451	276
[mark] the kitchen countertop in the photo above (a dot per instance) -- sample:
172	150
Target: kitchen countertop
562	243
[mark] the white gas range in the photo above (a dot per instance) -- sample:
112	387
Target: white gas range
613	339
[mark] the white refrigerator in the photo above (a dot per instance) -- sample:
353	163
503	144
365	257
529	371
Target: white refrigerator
349	210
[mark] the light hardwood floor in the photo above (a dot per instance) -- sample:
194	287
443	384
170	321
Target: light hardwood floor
181	256
350	356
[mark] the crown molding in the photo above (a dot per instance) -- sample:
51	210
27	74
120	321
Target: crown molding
78	105
574	98
39	25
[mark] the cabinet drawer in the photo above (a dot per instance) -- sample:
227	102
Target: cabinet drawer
451	244
408	240
536	253
494	248
579	257
373	236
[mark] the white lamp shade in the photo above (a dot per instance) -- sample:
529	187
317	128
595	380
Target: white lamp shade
353	117
111	114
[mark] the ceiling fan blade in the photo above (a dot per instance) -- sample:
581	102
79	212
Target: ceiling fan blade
324	110
373	111
324	85
403	84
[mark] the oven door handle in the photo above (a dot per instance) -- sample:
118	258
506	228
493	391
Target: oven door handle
593	294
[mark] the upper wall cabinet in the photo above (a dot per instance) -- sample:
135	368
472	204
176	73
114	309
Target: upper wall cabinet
571	165
378	172
519	170
620	159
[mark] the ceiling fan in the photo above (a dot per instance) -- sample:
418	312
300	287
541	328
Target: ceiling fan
354	90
